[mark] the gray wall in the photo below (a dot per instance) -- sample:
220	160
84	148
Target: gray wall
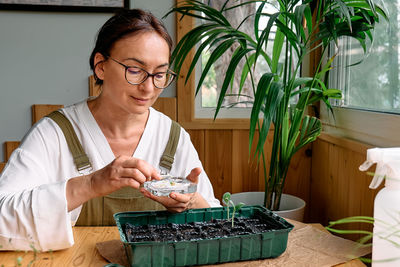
44	60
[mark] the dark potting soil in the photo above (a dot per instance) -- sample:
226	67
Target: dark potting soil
192	231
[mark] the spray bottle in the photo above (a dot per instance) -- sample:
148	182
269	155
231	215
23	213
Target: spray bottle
386	234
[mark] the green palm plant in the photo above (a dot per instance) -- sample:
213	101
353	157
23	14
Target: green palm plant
281	95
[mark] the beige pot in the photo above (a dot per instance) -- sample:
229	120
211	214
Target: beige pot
291	207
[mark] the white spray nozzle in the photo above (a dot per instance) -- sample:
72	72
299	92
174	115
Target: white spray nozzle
387	160
374	155
380	173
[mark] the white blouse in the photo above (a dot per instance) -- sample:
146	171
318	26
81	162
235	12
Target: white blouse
33	205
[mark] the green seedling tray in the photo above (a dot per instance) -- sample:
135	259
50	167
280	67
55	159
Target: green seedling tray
270	244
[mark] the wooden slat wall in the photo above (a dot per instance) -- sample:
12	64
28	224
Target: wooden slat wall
94	89
167	105
338	189
225	158
39	111
2	165
9	147
245	169
198	139
218	159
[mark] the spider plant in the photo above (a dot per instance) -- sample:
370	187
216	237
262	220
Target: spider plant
282	95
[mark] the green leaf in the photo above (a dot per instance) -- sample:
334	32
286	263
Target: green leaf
298	22
353	219
332	93
265	37
226	198
193	8
327	67
200	49
262	89
187	43
246	69
272	101
215	55
290	35
300	81
308	18
257	19
239	206
211	41
285	131
345	11
276	51
310	130
230	72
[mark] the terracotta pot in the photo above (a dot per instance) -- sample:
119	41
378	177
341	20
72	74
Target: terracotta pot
291	207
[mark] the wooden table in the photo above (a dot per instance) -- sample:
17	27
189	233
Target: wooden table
84	253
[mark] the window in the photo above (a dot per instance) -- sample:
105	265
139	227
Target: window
235	106
191	114
371	102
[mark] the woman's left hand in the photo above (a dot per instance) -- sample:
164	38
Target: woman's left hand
177	202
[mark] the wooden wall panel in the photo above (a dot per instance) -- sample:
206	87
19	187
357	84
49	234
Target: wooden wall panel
39	111
320	185
267	155
9	147
298	178
167	105
218	160
245	176
338	189
198	139
94	89
2	165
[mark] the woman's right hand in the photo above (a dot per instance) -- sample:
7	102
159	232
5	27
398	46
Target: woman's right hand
121	172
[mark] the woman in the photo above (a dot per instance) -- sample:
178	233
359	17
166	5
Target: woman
41	190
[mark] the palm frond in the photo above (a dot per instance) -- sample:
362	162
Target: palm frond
230	72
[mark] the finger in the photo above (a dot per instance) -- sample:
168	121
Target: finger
155	175
145	168
183	198
145	193
149	195
135	174
176	210
167	202
194	175
130	182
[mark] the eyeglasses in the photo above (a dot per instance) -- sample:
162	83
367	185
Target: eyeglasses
136	76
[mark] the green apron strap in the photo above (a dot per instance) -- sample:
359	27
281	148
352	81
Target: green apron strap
167	159
81	160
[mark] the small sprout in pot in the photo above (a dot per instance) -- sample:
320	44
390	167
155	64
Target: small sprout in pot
226	199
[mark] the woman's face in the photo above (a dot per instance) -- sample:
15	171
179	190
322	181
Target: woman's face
148	51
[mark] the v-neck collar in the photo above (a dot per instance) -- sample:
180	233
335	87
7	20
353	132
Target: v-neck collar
100	140
147	136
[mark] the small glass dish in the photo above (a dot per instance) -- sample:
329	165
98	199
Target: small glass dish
169	184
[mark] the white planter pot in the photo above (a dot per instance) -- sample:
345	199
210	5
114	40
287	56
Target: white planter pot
291	207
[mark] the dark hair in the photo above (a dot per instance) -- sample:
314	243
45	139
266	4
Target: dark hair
121	24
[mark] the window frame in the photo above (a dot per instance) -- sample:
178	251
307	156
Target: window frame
369	127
